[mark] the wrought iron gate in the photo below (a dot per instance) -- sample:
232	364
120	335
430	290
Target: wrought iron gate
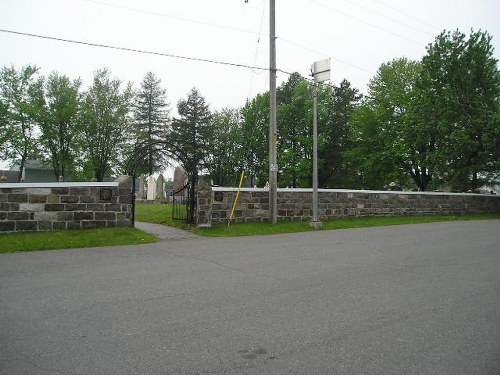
184	203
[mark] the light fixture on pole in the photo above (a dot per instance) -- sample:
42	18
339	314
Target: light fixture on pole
320	72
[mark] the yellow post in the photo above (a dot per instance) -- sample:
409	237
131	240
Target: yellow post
237	196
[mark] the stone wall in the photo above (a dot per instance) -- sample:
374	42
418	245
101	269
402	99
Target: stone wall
65	205
296	204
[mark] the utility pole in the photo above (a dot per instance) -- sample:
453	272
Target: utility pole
320	72
273	133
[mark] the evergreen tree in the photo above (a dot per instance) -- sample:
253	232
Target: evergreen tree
151	121
191	133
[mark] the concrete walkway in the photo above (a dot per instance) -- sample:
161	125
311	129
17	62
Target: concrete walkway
164	232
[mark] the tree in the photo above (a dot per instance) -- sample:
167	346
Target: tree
191	133
151	120
224	159
460	96
399	142
294	115
105	122
255	139
17	114
335	107
58	116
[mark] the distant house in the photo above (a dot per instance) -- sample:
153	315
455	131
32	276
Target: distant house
34	171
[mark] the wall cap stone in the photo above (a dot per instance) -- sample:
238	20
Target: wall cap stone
309	190
21	185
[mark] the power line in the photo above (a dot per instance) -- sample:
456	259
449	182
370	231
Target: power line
324	54
365	22
157	14
127	49
406	14
388	17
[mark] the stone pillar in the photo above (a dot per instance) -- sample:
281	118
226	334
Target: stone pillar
203	205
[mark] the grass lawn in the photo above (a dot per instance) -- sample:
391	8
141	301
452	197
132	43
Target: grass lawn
162	214
159	214
65	239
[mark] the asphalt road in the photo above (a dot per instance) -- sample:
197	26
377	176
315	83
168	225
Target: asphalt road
412	299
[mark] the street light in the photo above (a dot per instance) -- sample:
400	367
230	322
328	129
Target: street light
320	72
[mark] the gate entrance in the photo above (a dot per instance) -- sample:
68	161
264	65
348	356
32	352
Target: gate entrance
184	199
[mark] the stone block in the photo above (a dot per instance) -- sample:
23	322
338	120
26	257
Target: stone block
26	225
54	207
95	207
18	215
109	215
3	198
7	226
69	199
113	207
32	207
79	216
4	207
53	199
127	199
44	225
20	198
79	191
93	224
46	216
60	191
75	207
73	225
37	198
59	225
87	199
64	216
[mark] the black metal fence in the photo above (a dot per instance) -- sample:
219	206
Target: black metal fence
184	203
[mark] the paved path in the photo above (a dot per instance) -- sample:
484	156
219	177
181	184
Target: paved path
164	232
410	299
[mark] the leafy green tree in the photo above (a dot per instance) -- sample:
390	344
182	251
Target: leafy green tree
224	159
106	122
58	117
151	116
255	139
399	143
294	116
18	114
460	96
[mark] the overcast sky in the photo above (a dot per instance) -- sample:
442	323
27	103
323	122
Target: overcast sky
357	35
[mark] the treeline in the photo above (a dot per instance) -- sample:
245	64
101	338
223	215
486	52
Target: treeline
429	124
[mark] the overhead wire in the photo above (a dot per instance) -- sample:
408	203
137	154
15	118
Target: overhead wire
165	15
407	15
226	27
388	17
257	47
135	50
365	22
